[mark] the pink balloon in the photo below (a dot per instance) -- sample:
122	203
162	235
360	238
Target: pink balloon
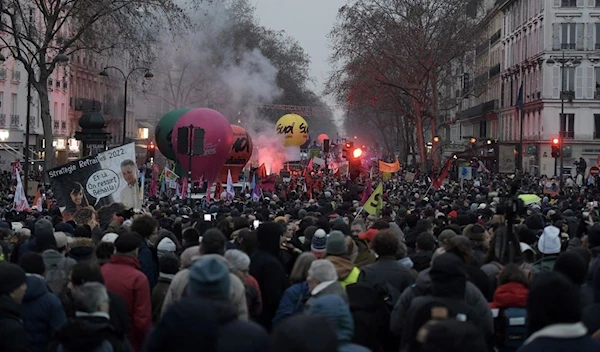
218	138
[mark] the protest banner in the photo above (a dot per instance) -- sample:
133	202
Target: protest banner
551	187
389	167
97	180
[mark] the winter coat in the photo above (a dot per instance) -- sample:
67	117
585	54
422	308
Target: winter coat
591	318
292	302
266	268
117	309
346	271
561	337
158	296
12	329
421	260
510	295
387	270
82	249
365	256
113	226
337	313
43	313
327	288
366	308
238	335
148	262
89	333
546	263
55	261
178	287
253	298
422	287
122	276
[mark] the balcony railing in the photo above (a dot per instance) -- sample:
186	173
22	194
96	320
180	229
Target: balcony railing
83	104
2	74
482	48
597	46
567	95
569	135
31	120
567	46
15	121
568	3
3	120
495	37
494	70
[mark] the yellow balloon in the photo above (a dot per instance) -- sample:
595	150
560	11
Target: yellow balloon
294	128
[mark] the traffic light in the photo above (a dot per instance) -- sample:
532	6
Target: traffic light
354	163
555	147
150	151
347	150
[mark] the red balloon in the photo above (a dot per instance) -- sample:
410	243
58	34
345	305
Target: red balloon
322	137
241	152
218	138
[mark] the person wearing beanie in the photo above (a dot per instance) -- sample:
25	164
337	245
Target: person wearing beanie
13	285
209	279
213	245
478	236
240	265
109	237
549	246
554	317
168	266
58	264
43	311
267	269
166	245
318	244
122	276
337	254
445	235
572	265
44	233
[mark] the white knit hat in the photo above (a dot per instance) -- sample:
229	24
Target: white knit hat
549	242
110	237
166	245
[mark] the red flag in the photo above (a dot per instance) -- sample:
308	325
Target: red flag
268	184
367	193
218	190
261	172
437	181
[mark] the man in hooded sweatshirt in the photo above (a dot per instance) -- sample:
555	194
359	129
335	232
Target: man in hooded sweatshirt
266	268
57	264
336	311
337	254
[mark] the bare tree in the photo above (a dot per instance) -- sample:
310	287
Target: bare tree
405	46
38	30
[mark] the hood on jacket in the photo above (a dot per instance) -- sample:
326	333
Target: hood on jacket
52	257
36	287
343	267
85	334
82	248
448	276
336	311
269	235
421	260
510	295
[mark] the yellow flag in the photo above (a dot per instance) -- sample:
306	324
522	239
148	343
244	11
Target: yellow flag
374	204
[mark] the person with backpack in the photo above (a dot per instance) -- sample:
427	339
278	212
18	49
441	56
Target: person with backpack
44	313
449	280
549	246
90	330
57	264
509	307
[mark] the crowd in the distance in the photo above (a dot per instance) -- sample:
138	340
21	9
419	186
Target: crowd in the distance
434	272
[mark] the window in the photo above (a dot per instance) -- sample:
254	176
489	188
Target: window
569	3
13	107
596	126
597	3
597	87
567	122
568	84
567	36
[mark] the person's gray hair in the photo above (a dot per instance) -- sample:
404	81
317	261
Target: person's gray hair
322	270
238	259
89	296
128	162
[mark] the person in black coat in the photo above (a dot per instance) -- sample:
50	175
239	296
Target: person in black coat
268	271
12	289
322	336
89	272
91	329
386	269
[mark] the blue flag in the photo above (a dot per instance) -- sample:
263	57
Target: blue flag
520	98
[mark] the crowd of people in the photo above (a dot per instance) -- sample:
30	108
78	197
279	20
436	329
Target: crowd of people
453	269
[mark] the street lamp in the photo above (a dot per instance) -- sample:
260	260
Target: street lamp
148	75
574	62
436	139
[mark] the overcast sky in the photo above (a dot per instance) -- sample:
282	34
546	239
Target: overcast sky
309	21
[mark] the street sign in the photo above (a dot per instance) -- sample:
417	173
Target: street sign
594	170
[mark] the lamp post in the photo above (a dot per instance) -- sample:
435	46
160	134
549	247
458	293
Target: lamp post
148	75
562	60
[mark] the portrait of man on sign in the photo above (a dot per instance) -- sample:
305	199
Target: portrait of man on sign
130	195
